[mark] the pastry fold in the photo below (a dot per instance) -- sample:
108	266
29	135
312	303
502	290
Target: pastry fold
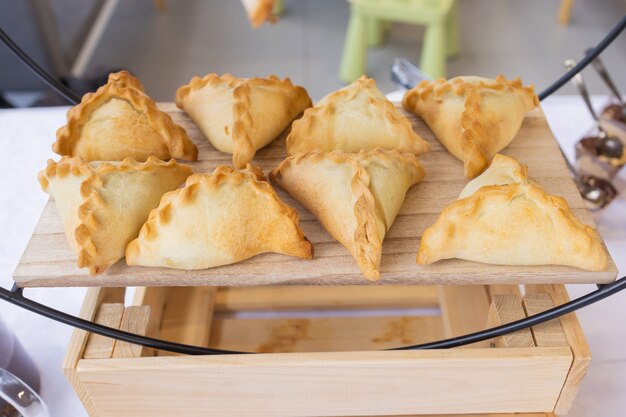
218	219
503	218
357	117
356	197
241	115
104	204
120	121
473	117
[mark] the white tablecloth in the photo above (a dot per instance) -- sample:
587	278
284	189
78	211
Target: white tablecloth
25	138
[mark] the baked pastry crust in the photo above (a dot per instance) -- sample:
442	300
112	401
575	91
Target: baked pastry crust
473	117
514	222
120	121
104	204
241	115
357	117
356	197
218	219
259	11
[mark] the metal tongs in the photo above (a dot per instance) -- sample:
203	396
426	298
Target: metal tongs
614	111
596	191
607	145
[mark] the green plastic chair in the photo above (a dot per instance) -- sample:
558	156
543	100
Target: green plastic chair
369	20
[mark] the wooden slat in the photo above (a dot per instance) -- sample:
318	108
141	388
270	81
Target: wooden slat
331	384
497	289
464	309
78	341
136	319
506	308
321	334
325	297
155	298
100	347
577	342
49	261
548	334
188	315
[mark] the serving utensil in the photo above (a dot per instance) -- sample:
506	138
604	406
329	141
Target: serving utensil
406	75
615	111
606	144
597	191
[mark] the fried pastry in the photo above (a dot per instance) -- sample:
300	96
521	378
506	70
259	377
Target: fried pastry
357	117
104	204
507	219
356	197
473	117
259	11
218	219
120	121
241	115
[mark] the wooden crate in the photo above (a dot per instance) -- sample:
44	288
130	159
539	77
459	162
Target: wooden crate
322	352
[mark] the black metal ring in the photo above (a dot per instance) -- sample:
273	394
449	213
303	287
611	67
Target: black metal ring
16	297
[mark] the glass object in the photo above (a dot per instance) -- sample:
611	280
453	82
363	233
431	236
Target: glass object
19	379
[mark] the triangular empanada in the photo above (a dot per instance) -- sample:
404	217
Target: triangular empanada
356	197
218	219
120	121
357	117
473	117
241	115
513	222
104	204
259	11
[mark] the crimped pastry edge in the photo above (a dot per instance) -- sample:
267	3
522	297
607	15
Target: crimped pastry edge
123	85
473	203
242	120
366	236
221	175
399	123
476	159
88	223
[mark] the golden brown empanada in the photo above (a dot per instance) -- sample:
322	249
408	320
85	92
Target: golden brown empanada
218	219
104	204
120	121
357	117
513	222
241	115
259	11
473	117
356	197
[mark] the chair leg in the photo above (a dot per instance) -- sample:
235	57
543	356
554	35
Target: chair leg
433	60
452	35
279	8
354	59
375	29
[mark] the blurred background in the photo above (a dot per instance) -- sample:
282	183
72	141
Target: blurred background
166	42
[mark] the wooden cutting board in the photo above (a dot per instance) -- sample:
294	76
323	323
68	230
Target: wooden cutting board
49	261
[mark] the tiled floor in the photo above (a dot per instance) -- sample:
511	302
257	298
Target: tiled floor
195	37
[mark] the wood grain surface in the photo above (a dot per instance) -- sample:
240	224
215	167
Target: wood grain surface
49	261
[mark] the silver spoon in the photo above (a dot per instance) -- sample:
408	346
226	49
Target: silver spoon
608	145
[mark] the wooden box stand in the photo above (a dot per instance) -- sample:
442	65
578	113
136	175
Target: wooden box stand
321	352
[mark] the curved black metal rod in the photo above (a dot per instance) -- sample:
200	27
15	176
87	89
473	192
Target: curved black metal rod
590	56
61	89
17	298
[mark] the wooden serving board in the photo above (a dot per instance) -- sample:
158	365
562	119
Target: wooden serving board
49	260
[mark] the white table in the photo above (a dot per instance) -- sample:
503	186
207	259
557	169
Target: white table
25	138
